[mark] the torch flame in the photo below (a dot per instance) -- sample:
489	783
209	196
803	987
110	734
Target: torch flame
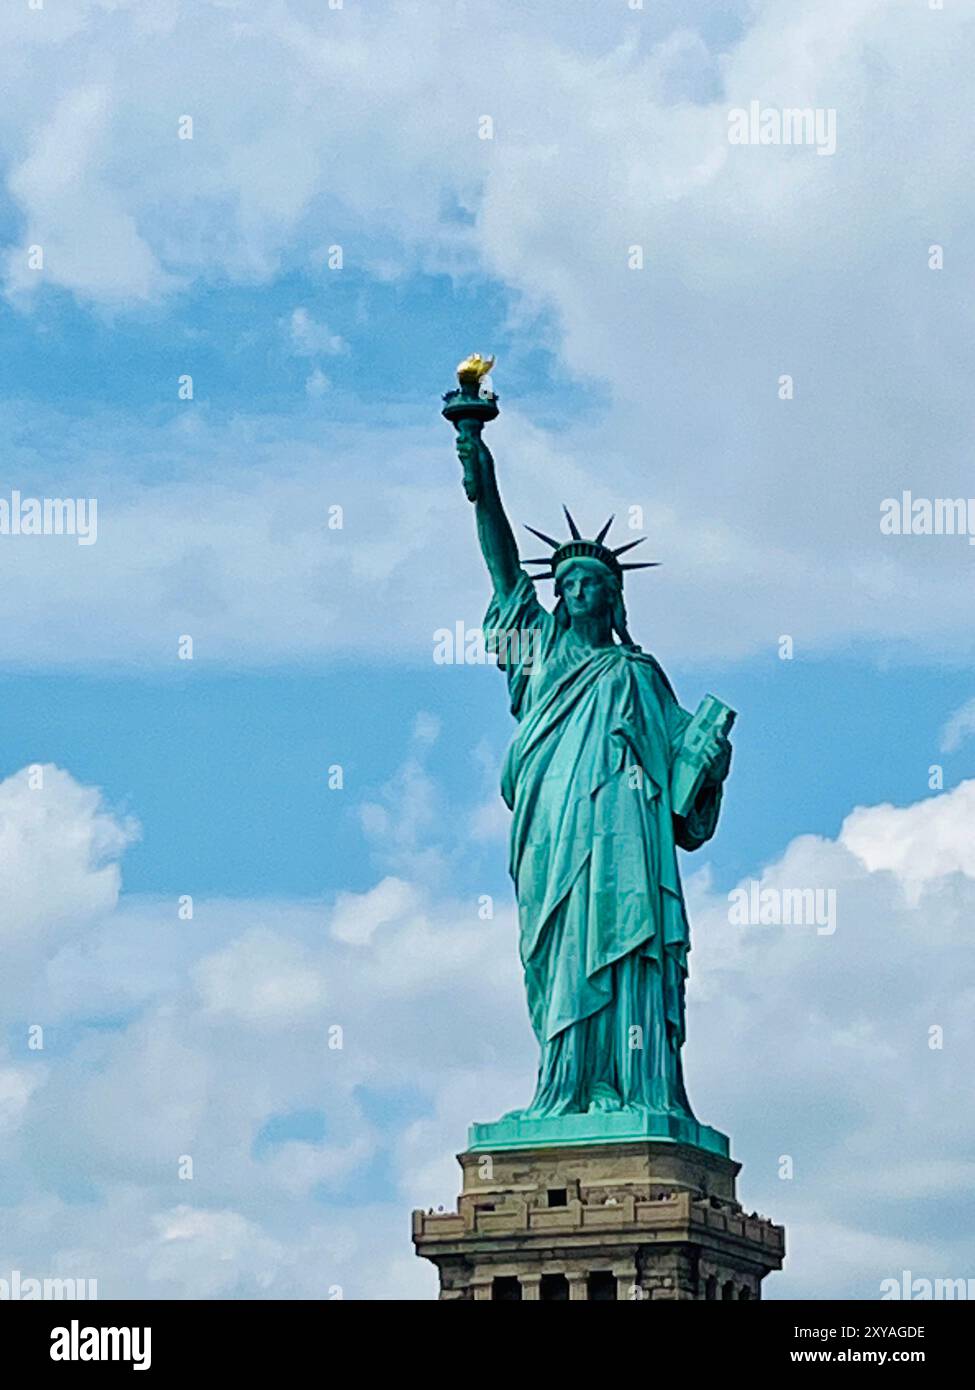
473	368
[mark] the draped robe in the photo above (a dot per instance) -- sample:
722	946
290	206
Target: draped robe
602	924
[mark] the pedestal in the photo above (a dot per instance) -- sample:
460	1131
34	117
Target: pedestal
600	1222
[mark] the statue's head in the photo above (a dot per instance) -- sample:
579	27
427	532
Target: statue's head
587	588
588	577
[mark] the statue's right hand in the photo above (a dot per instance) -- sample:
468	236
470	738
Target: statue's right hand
471	450
474	456
466	451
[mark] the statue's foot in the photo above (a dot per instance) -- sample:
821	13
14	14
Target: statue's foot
544	1112
604	1100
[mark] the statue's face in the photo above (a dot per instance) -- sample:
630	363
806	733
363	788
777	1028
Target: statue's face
586	588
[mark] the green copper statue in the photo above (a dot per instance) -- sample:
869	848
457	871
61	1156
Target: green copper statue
589	779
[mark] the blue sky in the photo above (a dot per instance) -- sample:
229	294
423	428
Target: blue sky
652	391
228	774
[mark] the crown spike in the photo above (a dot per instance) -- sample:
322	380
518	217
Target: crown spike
629	546
578	547
542	536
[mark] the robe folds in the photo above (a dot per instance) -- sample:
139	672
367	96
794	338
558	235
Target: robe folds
602	923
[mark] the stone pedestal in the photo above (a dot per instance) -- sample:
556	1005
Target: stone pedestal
599	1222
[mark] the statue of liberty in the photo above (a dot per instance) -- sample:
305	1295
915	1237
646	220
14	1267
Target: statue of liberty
589	779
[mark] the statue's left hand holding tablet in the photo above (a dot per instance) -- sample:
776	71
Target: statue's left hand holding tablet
719	758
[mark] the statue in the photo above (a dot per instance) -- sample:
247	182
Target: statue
605	777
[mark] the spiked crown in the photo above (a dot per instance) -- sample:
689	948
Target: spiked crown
577	547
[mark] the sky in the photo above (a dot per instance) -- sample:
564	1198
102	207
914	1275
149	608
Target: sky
235	339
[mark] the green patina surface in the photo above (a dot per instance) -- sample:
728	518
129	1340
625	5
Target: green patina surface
602	750
603	1128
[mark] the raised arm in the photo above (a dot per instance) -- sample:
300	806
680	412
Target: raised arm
498	545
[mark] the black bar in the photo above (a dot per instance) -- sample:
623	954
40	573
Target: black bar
468	1345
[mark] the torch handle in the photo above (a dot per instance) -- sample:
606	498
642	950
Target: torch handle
470	429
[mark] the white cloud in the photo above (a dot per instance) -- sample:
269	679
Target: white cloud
491	820
357	916
757	262
919	844
17	1085
958	727
317	384
200	1250
89	239
426	727
308	338
299	1168
260	980
410	811
58	850
799	1044
764	512
196	1040
834	1061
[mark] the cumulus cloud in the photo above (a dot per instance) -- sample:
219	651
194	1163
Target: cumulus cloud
316	384
166	1040
757	263
959	726
918	844
17	1084
847	1046
680	276
79	233
193	1249
357	916
818	1048
308	338
59	852
261	980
